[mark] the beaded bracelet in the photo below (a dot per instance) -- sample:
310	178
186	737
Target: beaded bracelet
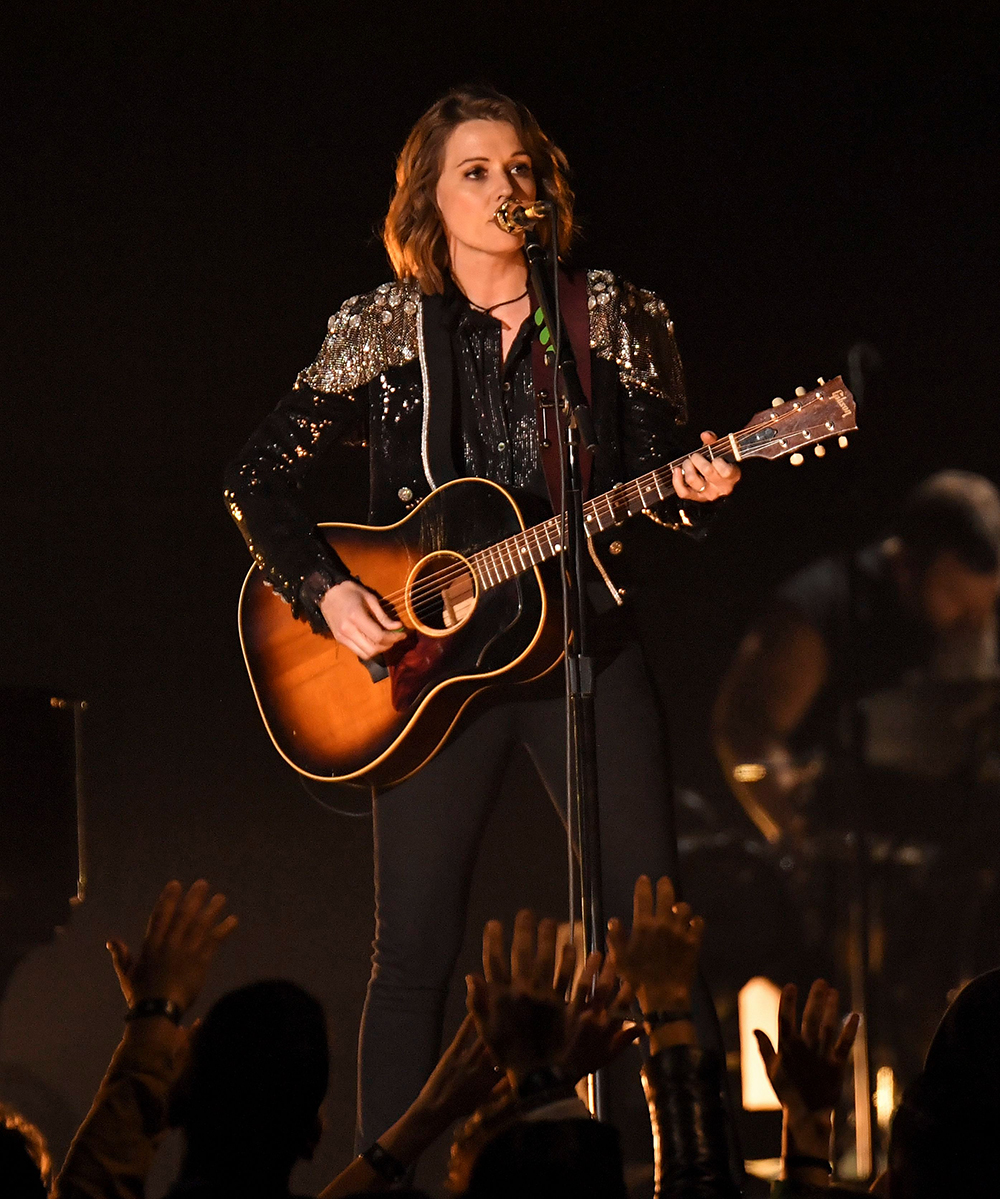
385	1164
155	1007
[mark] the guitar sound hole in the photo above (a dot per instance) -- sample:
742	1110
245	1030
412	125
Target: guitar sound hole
441	593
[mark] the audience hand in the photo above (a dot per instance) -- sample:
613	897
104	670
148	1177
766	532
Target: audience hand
183	935
659	957
808	1067
464	1078
520	1008
598	1024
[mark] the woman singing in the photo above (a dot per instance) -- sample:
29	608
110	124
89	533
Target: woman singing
456	324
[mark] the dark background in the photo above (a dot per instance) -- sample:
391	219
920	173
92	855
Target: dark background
192	189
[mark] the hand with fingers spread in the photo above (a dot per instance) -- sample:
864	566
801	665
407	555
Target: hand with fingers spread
702	478
520	1005
659	956
183	935
599	1026
807	1069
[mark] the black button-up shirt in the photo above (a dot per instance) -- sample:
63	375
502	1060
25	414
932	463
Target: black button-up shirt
495	434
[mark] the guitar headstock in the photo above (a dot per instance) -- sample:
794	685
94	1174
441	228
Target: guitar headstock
789	427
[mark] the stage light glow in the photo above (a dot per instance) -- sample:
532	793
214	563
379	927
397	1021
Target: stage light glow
758	1008
885	1097
749	772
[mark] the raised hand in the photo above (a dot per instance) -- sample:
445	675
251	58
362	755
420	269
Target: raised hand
659	956
464	1078
597	1019
183	935
807	1069
519	1005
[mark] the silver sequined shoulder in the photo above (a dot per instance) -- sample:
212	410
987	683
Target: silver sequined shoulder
367	335
632	328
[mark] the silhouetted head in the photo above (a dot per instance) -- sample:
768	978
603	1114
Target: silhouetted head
250	1094
944	1134
25	1165
540	1159
948	565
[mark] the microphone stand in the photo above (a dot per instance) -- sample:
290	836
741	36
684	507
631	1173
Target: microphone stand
582	799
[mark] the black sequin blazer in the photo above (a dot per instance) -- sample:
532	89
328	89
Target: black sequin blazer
378	381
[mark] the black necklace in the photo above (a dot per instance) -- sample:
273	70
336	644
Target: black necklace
503	304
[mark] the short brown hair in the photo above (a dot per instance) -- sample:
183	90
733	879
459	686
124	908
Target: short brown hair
413	233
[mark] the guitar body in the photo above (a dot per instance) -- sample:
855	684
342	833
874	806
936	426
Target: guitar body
324	712
461	573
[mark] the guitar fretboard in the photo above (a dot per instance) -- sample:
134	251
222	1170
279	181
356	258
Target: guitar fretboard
506	559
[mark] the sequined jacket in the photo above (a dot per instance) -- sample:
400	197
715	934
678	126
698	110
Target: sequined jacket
374	383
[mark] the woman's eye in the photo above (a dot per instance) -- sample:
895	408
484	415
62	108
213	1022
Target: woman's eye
521	168
475	173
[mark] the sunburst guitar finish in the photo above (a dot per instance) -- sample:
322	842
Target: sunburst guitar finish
461	573
467	628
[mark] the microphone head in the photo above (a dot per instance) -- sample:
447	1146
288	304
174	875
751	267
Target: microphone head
513	217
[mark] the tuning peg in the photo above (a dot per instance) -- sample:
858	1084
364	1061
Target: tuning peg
819	451
777	402
796	460
821	382
842	442
800	391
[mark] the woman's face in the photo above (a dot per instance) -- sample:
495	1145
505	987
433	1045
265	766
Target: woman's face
483	164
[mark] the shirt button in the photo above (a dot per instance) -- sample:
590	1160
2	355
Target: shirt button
501	445
506	386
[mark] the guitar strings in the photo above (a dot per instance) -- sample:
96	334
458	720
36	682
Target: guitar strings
481	558
433	585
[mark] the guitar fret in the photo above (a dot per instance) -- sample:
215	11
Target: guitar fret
656	480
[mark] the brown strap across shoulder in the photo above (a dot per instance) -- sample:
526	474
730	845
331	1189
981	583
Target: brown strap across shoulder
576	322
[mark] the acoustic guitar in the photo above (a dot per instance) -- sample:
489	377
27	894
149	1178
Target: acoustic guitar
461	572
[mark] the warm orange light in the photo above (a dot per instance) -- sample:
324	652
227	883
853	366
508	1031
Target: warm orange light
758	1008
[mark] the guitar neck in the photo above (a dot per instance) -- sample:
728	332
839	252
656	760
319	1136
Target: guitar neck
506	559
827	411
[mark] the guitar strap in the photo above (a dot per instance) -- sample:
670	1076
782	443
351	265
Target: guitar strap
576	323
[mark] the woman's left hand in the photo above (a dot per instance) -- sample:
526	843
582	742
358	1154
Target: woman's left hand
703	479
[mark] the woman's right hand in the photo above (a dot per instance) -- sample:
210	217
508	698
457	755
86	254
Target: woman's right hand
358	621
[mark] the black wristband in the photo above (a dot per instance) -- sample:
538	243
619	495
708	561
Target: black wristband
802	1161
384	1163
155	1007
546	1078
656	1019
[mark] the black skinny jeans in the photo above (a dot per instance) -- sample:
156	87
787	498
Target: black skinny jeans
427	835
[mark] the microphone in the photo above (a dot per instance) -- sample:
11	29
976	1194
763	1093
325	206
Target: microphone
513	217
